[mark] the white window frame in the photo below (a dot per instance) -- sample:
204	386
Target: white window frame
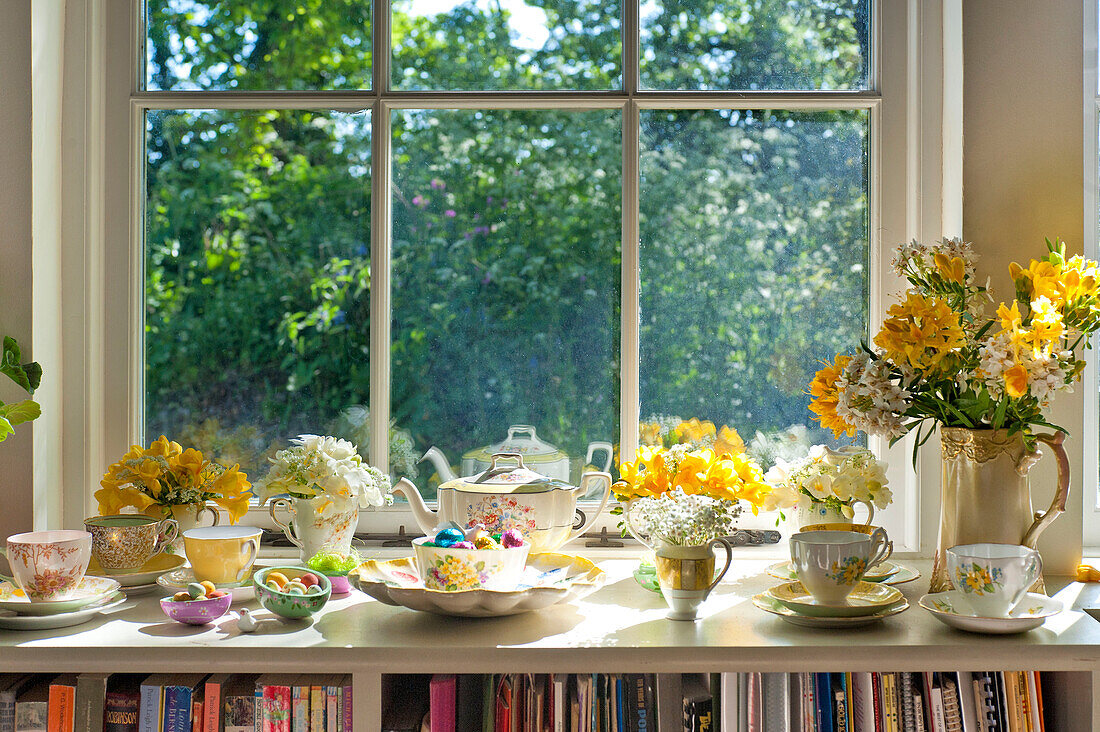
915	193
1090	448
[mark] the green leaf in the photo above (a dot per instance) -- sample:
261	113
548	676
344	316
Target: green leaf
5	429
27	375
20	412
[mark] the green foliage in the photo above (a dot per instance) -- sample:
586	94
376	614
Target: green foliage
506	257
27	376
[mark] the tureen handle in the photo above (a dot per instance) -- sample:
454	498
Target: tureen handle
583	491
494	471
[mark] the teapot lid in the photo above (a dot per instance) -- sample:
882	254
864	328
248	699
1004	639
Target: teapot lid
507	474
523	440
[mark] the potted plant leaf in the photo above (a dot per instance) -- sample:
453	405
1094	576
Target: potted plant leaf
27	376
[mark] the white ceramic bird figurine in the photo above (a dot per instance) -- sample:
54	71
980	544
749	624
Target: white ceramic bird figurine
246	623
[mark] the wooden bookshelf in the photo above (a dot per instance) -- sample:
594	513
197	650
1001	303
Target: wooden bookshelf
621	628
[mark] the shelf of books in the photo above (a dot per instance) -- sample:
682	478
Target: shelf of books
984	701
949	701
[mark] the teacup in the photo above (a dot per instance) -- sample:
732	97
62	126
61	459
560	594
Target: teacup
831	563
860	528
222	554
48	565
993	578
127	541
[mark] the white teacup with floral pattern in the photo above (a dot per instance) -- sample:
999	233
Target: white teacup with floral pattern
831	563
452	569
48	565
993	578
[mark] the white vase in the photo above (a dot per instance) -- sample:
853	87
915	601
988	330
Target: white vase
313	531
686	576
820	512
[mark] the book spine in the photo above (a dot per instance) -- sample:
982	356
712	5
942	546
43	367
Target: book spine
300	709
36	711
7	711
198	721
317	708
61	713
876	702
212	706
346	706
149	719
332	709
939	723
120	712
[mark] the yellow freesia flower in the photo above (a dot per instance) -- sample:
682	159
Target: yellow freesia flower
952	269
1010	317
824	392
1016	381
728	442
920	331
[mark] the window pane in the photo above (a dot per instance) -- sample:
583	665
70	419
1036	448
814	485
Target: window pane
774	44
506	44
754	252
258	45
506	282
257	279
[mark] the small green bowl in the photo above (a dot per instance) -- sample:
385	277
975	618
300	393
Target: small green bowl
285	604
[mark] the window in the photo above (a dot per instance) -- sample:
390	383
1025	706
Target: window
1091	448
428	222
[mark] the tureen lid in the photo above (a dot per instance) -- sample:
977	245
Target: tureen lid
507	474
523	440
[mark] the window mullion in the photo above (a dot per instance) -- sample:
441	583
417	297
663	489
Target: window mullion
630	397
380	63
381	210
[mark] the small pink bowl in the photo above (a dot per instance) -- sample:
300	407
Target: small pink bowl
340	584
196	612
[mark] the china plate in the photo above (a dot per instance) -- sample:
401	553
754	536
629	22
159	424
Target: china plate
549	579
770	605
178	579
951	609
145	575
887	573
12	621
867	598
90	589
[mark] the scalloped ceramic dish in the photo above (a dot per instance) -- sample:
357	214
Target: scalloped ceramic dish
144	575
887	573
549	579
867	598
12	621
90	590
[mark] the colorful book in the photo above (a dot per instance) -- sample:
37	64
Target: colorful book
863	705
299	705
346	707
823	701
238	694
275	693
62	701
212	717
179	691
316	705
442	696
122	703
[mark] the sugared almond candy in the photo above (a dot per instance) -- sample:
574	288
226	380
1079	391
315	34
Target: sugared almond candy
216	593
182	596
208	587
486	542
277	579
309	579
511	539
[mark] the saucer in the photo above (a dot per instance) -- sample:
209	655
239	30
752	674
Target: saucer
888	572
146	574
13	621
178	579
951	609
770	605
867	598
548	579
89	590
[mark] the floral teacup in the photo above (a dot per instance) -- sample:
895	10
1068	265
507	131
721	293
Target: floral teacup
831	563
993	577
48	565
452	570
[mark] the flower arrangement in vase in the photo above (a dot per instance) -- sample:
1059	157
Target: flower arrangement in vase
826	485
682	500
938	361
325	482
167	476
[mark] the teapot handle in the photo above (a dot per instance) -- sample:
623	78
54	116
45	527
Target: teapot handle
605	447
585	480
517	428
1058	505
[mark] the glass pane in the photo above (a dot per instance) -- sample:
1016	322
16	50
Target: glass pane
506	44
506	282
258	45
257	279
754	252
770	44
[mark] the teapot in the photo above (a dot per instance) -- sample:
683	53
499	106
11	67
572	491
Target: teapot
537	454
509	495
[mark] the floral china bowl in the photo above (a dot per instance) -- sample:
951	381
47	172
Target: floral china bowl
452	570
196	612
286	604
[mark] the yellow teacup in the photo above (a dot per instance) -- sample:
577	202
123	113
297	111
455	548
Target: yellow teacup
222	554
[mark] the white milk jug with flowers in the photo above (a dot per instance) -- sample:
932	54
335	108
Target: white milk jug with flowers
827	486
322	482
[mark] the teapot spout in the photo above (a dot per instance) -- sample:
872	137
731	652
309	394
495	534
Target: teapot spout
425	517
442	466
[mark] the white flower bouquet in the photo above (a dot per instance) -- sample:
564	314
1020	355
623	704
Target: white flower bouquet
316	466
681	519
836	478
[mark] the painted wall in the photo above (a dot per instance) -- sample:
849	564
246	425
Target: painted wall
16	453
1023	177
